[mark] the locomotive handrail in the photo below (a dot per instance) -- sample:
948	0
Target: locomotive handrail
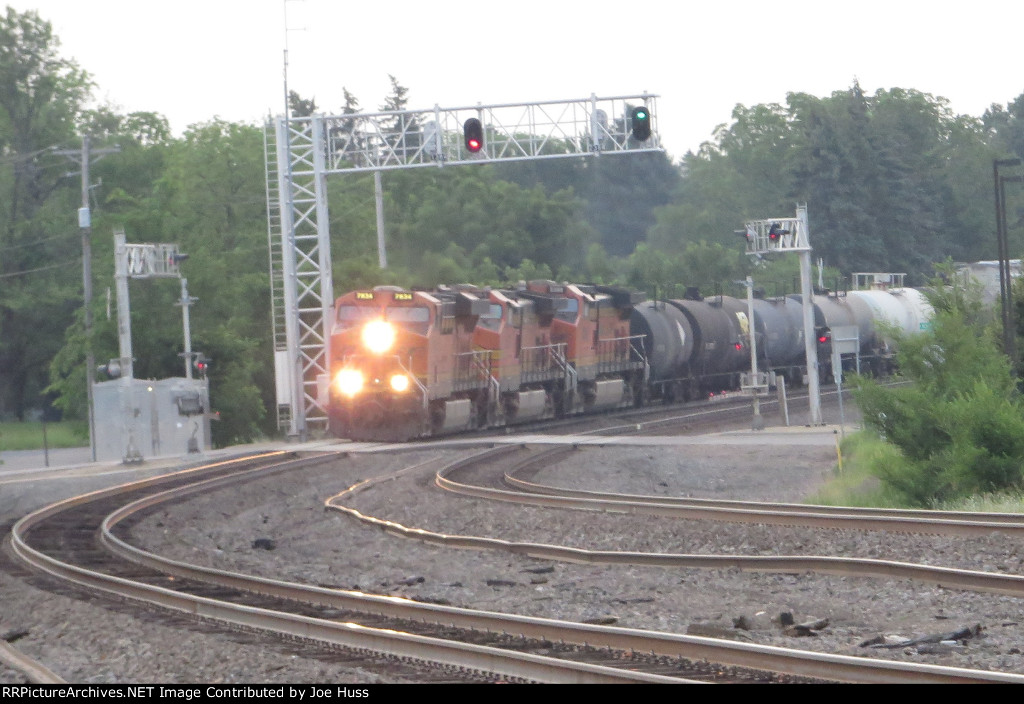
618	353
543	362
419	384
627	342
540	362
473	369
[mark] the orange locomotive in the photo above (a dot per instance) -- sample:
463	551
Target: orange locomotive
407	364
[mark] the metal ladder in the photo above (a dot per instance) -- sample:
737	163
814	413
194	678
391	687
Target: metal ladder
275	248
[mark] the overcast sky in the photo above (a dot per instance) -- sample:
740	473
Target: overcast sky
193	60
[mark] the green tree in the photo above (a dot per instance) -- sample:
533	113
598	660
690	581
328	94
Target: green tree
204	192
211	194
299	106
41	96
959	427
404	132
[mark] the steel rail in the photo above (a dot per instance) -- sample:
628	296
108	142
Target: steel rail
795	662
955	523
487	659
34	671
1011	585
1013	520
731	511
692	647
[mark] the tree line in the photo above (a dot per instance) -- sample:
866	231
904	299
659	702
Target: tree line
893	181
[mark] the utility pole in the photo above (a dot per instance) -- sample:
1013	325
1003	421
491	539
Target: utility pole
85	225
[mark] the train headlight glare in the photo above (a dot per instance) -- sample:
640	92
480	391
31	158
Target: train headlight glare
349	381
379	336
399	382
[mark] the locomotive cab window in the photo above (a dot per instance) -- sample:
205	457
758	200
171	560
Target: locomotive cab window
414	319
491	320
569	312
348	316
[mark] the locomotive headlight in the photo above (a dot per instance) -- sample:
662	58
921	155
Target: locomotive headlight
349	381
379	336
399	383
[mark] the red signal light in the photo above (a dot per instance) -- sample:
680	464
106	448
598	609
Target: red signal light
775	232
473	131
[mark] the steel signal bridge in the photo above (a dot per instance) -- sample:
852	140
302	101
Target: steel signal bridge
301	152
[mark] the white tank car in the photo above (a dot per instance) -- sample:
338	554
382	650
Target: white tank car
904	308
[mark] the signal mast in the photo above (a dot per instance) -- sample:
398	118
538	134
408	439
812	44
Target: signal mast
785	235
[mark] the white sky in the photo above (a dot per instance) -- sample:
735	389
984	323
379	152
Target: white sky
193	60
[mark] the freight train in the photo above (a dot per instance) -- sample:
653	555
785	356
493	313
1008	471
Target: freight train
411	363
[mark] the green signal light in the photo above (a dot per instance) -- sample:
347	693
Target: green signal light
640	121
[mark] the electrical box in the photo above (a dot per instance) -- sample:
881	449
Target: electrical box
139	419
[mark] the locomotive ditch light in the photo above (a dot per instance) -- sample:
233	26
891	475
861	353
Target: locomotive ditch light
399	383
349	382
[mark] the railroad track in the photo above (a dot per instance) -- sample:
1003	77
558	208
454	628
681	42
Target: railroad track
664	650
80	541
942	523
795	662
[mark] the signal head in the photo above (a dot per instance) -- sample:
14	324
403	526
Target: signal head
776	232
473	133
640	123
201	363
112	369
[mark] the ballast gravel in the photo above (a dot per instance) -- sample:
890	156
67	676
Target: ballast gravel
278	527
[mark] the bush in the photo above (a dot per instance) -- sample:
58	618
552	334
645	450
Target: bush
960	428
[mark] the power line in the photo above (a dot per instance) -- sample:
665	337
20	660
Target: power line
34	243
42	268
14	158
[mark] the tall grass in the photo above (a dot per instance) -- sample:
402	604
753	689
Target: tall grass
857	485
854	484
29	435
